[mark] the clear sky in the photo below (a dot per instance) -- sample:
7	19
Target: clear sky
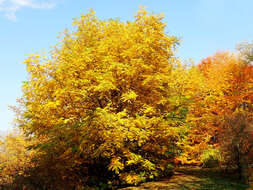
32	26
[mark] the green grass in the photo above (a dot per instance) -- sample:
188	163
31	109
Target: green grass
212	179
196	179
213	184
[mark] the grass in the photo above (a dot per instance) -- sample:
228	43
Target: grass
196	179
213	184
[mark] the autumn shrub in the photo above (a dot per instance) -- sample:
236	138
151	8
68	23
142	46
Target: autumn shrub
105	104
211	157
237	143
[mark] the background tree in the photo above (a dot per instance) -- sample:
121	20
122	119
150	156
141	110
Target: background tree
230	80
246	52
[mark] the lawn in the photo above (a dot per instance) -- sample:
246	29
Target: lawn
196	179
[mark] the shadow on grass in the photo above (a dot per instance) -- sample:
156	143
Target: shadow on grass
195	179
212	179
213	184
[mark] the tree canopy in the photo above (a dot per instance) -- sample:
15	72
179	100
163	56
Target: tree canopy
105	94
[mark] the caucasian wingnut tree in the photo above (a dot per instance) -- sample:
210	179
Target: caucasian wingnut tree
100	102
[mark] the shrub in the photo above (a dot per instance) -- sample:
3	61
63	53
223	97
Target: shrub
211	157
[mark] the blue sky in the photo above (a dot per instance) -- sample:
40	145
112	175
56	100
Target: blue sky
32	26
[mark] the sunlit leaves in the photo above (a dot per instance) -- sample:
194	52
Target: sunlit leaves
105	93
15	159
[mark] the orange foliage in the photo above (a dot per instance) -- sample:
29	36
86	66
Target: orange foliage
227	88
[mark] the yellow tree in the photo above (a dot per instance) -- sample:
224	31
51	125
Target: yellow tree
103	98
190	92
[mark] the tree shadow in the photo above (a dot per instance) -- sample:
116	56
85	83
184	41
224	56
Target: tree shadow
193	180
212	180
214	184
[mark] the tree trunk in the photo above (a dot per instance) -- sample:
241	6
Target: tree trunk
242	166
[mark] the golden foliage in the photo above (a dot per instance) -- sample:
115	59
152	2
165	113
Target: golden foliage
106	93
15	159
